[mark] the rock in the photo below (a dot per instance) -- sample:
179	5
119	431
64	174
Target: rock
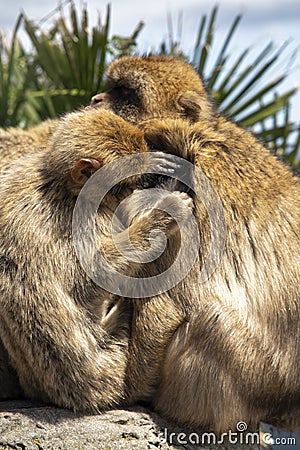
28	426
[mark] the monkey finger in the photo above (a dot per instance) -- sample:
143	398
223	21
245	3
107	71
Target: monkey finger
185	198
165	170
164	162
170	164
163	155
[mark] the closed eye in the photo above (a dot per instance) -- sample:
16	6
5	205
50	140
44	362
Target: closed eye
121	91
125	95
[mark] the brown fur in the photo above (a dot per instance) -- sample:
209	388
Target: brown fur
237	355
15	143
156	87
54	324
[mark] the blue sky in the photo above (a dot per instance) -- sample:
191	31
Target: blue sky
263	21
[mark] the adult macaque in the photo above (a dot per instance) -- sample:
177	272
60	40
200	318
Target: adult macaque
54	325
237	355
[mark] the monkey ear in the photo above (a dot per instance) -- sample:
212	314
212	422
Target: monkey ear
83	169
190	101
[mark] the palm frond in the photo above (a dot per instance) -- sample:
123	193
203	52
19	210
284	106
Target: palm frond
72	60
68	62
13	79
242	86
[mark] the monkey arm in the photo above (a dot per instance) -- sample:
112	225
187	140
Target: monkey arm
147	233
154	319
217	356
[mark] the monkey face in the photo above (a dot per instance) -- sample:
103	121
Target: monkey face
154	87
122	100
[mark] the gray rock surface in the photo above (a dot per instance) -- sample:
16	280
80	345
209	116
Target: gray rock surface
28	426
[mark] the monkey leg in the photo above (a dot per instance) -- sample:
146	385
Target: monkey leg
154	323
220	370
62	357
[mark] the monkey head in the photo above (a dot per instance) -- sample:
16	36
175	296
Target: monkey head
88	140
154	87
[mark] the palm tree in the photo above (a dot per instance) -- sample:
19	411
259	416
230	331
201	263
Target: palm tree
242	88
67	63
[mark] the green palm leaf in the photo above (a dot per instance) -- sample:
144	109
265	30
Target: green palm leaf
68	64
242	86
14	69
72	60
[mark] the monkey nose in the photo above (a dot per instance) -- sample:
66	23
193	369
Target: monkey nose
101	100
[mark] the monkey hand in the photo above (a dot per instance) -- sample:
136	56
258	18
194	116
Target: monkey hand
151	221
163	163
170	211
